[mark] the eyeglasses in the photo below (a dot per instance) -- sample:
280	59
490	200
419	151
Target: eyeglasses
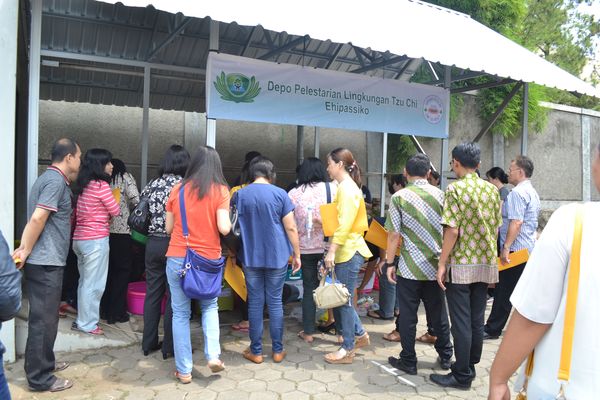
510	170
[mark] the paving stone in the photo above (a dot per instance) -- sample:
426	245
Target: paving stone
281	386
312	387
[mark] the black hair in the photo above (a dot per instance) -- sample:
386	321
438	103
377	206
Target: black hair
468	154
119	169
418	165
497	173
261	167
175	161
205	171
525	164
244	176
397	179
92	168
350	164
434	174
312	171
62	148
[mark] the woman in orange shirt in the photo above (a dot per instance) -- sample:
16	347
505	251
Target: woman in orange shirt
207	209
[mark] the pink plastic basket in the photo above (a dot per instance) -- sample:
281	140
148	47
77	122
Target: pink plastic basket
136	293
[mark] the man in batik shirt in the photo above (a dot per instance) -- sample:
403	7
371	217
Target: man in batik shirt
468	263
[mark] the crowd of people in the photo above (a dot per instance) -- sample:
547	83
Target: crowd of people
449	244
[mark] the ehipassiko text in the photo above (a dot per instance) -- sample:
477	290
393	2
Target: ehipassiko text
344	108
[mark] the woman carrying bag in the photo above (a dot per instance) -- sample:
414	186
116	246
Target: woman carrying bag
196	226
347	252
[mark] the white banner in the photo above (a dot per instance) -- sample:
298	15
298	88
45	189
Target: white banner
245	89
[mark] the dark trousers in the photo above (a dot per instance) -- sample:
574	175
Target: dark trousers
429	318
466	306
501	308
156	287
44	284
4	393
70	279
113	306
310	281
410	293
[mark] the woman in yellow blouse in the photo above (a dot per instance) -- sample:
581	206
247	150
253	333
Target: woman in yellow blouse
347	252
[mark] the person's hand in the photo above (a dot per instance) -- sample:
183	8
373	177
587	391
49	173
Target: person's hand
379	267
296	264
391	274
19	256
499	391
330	260
441	275
504	256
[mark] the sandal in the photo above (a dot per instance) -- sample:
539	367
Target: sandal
334	358
239	327
216	366
97	331
377	315
306	337
393	336
61	366
329	328
183	378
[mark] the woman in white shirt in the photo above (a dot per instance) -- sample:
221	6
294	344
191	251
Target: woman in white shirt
539	300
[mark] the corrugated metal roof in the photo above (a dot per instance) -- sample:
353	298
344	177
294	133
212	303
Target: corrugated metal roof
75	28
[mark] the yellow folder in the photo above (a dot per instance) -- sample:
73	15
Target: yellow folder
378	236
235	277
516	258
329	216
116	192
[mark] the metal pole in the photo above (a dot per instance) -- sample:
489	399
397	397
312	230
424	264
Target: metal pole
445	147
211	124
145	128
299	145
586	158
317	141
9	18
383	173
525	129
33	113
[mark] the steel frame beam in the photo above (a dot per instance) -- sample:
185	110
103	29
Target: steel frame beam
525	122
334	57
498	112
380	64
482	86
33	114
289	45
249	41
172	36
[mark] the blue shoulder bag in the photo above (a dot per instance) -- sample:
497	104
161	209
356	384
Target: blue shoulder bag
201	278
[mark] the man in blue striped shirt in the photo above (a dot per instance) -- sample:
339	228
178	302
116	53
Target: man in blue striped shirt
520	214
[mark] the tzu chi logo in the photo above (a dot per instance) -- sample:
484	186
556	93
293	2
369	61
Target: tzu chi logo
237	87
433	109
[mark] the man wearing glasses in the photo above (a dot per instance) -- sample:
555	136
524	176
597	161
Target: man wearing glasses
520	214
468	263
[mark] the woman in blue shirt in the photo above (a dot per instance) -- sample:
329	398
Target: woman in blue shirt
269	235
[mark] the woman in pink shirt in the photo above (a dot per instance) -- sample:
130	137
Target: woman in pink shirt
95	206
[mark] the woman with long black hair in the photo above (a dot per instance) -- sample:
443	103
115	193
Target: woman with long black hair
95	206
205	198
113	307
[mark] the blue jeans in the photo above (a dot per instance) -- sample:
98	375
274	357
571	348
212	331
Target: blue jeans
92	261
387	297
4	393
182	342
265	285
346	317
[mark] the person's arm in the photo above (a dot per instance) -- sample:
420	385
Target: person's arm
131	190
347	206
393	241
289	223
10	283
31	234
451	220
514	228
223	221
513	350
169	222
106	197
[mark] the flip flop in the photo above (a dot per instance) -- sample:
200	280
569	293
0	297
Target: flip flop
238	328
347	359
377	315
304	337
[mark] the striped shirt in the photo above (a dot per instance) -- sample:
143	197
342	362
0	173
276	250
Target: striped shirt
95	205
416	213
522	204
